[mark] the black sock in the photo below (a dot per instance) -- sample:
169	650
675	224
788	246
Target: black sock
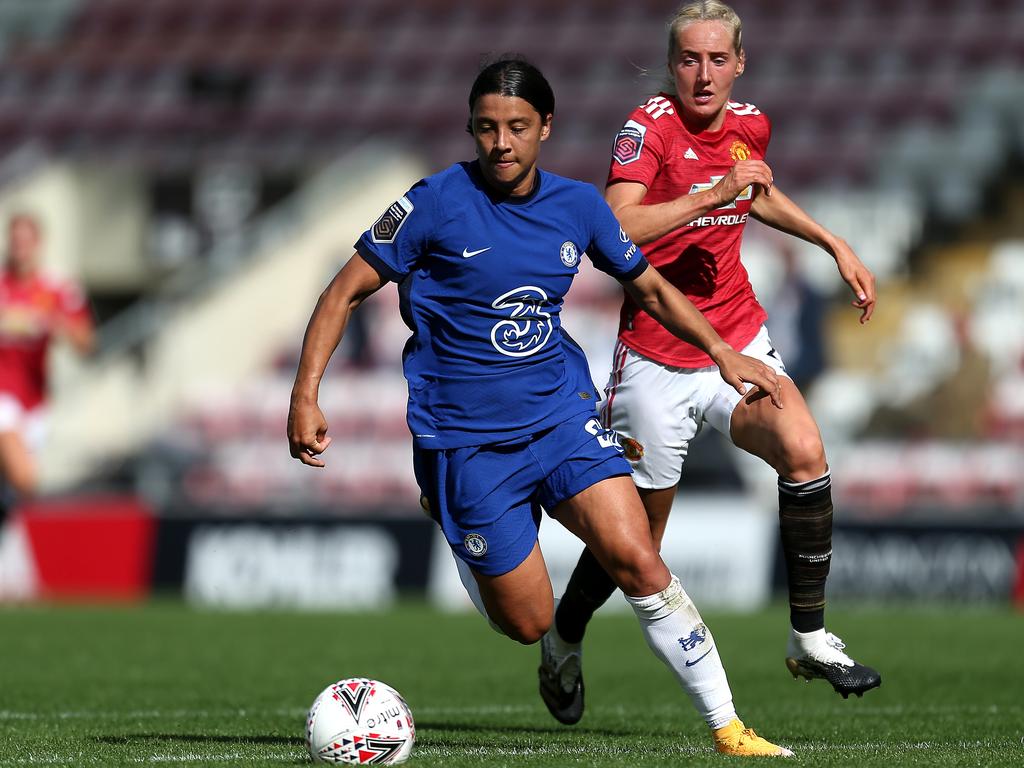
805	520
4	503
589	588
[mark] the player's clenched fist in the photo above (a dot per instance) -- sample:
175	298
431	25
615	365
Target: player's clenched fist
741	176
307	432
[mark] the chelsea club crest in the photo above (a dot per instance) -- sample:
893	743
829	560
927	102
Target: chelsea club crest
476	544
569	253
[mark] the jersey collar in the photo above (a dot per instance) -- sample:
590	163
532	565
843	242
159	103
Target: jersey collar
499	198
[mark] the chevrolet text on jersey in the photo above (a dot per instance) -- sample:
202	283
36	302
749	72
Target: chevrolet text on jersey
728	220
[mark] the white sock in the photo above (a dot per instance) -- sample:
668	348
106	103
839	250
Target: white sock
677	635
805	642
819	645
557	647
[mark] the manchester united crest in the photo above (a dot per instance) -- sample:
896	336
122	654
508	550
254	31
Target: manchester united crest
739	151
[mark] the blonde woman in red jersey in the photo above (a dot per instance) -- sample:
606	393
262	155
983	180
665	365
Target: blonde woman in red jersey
687	171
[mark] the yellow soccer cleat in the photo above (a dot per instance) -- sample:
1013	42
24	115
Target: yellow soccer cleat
739	741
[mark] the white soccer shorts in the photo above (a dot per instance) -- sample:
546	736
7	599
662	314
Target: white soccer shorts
663	408
30	424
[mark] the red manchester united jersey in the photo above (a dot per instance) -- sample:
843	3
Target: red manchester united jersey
29	310
702	258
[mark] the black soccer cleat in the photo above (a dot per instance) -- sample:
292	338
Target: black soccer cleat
561	684
828	662
845	680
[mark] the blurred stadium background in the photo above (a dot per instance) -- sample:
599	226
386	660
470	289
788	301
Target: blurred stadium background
204	166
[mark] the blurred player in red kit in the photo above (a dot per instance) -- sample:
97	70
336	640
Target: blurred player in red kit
34	309
687	171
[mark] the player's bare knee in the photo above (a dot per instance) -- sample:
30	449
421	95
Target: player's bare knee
642	573
528	629
802	457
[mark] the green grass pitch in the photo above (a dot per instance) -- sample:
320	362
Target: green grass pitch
164	684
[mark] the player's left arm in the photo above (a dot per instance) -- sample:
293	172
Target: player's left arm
780	212
666	304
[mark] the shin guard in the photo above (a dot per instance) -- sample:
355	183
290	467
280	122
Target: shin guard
805	520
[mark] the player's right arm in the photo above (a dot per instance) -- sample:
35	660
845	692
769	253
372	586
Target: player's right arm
307	427
612	252
646	223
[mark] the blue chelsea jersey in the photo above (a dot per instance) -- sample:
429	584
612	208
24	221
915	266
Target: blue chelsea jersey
481	280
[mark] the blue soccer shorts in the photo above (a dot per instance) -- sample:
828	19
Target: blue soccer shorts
488	498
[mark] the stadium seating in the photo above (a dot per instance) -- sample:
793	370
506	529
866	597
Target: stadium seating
836	77
919	97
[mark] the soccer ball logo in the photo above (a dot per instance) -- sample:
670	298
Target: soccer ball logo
360	722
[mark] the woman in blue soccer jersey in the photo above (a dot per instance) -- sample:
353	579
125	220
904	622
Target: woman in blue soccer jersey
500	404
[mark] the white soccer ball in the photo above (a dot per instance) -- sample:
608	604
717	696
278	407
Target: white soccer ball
360	722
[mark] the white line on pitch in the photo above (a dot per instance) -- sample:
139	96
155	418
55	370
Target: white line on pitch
82	758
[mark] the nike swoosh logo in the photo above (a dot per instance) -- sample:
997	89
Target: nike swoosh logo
467	254
695	661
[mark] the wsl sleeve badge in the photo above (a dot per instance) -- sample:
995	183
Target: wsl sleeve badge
360	722
629	142
385	229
